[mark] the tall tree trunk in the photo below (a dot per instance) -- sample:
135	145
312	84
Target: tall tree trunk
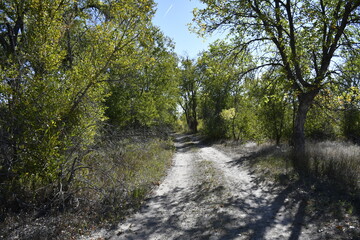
195	126
301	163
194	114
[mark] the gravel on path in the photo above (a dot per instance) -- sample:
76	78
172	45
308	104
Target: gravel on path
207	196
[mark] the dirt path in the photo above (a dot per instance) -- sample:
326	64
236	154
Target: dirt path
206	195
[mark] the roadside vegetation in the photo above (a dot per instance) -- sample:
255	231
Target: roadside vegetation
88	98
290	96
91	89
328	196
333	164
114	179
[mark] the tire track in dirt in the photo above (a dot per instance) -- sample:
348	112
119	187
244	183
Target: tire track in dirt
207	196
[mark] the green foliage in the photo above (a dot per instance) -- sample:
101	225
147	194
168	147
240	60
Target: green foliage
57	59
241	121
319	126
348	97
144	93
351	124
218	76
121	172
189	85
274	100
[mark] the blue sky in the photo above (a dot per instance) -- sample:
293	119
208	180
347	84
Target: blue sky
172	17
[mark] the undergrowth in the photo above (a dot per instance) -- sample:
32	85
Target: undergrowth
123	173
331	190
337	163
334	180
275	164
114	178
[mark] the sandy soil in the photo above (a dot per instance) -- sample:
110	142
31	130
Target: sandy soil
208	195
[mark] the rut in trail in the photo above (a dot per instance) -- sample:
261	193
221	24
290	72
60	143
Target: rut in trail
208	195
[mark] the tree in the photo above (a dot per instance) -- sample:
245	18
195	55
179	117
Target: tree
144	89
189	90
273	100
55	58
348	91
302	37
219	76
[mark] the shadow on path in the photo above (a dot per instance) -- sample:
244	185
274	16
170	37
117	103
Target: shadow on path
214	222
188	142
242	215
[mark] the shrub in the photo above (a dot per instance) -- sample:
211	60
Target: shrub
111	179
119	173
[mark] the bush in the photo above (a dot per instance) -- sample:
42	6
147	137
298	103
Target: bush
120	173
112	178
351	125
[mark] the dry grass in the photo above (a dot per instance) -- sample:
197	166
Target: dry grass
123	173
336	162
115	177
333	185
331	192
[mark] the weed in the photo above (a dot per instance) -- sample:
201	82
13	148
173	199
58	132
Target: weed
113	178
210	184
274	163
336	162
124	172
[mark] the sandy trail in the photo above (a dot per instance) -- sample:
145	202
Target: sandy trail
208	195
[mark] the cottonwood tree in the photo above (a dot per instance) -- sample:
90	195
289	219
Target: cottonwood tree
273	100
144	90
349	96
189	90
302	36
55	59
218	75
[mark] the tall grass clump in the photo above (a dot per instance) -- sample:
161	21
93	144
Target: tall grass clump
109	180
121	172
337	163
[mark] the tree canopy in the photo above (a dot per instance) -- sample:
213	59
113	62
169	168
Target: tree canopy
64	66
73	69
302	37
